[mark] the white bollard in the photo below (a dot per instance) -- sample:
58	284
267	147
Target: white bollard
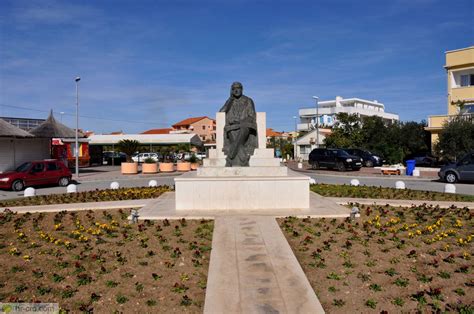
400	185
300	165
71	188
355	182
449	188
152	183
29	192
416	173
312	181
114	185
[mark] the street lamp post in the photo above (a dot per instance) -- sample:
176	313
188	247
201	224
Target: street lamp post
77	79
294	140
316	98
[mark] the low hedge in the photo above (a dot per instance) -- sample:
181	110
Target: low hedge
333	190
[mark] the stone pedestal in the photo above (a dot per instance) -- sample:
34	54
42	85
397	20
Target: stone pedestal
265	184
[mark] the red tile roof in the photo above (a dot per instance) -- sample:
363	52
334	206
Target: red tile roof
158	131
189	121
272	133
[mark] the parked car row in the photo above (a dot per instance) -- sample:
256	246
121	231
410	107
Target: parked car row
334	159
42	172
462	170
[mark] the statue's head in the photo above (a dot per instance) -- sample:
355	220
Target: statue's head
236	89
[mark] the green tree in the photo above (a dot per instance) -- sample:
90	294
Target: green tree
456	139
347	132
394	141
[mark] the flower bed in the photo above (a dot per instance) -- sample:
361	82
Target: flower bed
333	190
390	259
98	261
89	196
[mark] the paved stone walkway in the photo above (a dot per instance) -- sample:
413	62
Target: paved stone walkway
253	270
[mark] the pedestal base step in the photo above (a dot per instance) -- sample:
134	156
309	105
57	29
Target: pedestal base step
242	171
242	192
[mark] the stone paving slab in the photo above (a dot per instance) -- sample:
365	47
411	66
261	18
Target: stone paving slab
401	203
164	207
253	270
80	206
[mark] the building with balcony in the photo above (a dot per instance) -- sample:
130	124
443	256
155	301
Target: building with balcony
26	124
460	81
328	109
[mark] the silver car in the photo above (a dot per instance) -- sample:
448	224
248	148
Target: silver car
460	171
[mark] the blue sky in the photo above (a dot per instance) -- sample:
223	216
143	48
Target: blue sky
148	64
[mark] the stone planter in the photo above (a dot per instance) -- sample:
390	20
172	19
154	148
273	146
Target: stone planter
129	167
194	165
166	167
150	168
183	166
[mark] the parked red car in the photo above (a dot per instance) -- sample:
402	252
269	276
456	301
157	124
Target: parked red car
36	173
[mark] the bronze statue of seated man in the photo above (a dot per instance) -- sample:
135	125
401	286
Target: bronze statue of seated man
240	131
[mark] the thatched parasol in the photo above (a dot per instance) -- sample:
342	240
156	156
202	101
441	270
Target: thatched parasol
53	129
9	130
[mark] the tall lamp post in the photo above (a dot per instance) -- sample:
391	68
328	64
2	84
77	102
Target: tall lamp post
316	98
76	151
294	140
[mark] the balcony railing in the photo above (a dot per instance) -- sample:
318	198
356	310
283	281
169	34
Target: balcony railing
439	121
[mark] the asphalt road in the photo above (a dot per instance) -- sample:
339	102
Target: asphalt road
411	183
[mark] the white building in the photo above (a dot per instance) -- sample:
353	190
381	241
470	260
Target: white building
328	109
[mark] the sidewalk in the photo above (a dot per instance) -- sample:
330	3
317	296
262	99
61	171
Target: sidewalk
104	173
401	203
80	206
253	270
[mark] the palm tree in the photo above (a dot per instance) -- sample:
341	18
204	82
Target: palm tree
129	147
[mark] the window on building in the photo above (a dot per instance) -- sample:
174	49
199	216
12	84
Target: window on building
203	127
467	80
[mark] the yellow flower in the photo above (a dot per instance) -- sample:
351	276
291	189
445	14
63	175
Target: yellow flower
57	226
466	255
26	257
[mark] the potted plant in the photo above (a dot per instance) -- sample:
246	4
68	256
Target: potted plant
129	147
183	166
166	165
149	166
194	162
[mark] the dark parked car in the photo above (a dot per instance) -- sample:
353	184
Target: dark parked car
34	173
423	160
113	158
368	159
334	159
460	171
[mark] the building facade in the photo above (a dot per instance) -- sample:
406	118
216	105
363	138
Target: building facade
26	124
460	82
328	109
204	127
